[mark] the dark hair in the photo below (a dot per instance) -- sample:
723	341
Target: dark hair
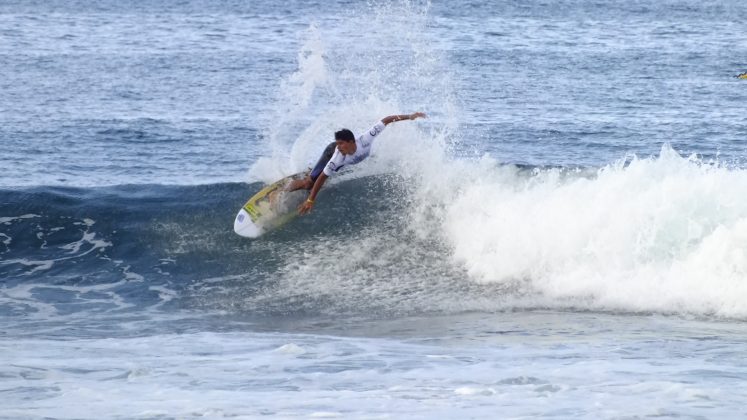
344	135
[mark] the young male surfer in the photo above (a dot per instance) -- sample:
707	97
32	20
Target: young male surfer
346	150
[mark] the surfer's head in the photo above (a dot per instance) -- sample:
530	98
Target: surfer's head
345	141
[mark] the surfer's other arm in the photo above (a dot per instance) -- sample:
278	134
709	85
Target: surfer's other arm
394	118
309	203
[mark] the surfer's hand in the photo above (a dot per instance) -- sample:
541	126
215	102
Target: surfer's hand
305	207
417	115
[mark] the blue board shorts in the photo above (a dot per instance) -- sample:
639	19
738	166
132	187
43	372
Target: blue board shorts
322	162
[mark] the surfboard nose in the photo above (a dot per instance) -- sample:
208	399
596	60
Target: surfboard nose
244	226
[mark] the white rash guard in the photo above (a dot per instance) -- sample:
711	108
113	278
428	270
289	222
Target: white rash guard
362	150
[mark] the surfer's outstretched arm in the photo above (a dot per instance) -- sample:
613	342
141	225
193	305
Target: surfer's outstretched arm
309	203
394	118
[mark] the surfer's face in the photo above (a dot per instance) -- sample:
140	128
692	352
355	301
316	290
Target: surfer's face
346	147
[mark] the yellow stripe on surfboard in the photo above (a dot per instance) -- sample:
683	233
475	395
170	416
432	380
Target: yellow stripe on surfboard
260	203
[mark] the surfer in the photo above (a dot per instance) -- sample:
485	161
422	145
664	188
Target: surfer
345	150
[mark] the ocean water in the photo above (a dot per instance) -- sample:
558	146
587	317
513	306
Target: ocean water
565	236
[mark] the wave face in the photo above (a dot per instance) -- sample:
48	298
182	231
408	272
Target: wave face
73	250
664	234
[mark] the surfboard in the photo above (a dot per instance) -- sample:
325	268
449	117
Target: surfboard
269	209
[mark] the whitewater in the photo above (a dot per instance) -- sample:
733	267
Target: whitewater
564	237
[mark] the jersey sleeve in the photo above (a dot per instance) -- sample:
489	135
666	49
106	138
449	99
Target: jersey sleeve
371	134
334	164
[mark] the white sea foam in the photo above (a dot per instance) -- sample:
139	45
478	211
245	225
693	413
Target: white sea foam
8	220
290	349
665	233
87	244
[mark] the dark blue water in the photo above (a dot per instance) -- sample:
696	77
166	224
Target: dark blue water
564	236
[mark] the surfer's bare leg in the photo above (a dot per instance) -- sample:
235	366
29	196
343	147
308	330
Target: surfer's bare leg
300	184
